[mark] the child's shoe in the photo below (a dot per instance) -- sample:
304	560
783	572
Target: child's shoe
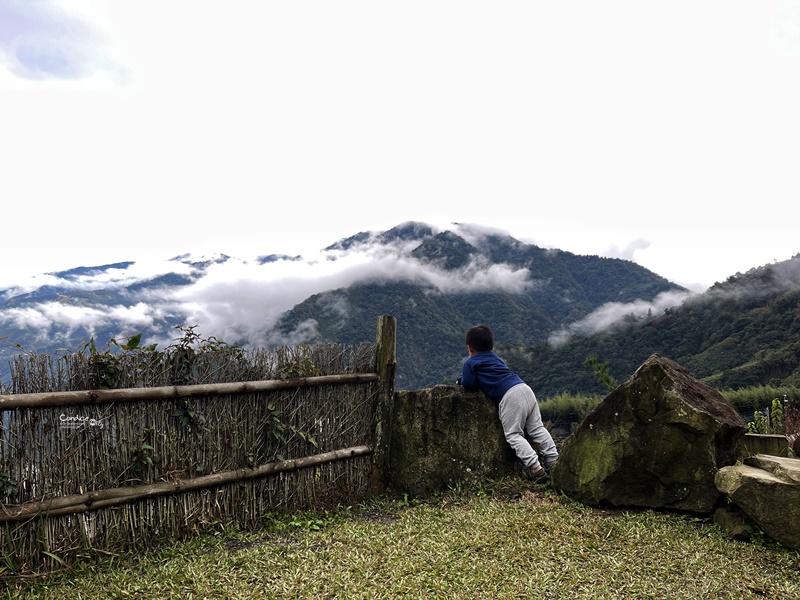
538	475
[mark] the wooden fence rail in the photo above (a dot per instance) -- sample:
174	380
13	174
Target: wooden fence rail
84	397
67	505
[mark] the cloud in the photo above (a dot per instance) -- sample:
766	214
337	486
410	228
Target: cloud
474	233
629	251
787	273
615	314
34	317
40	40
759	282
305	332
53	319
239	300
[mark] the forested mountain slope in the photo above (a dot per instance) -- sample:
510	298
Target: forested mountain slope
741	332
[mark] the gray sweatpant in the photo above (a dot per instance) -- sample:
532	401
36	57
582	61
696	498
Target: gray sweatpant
519	414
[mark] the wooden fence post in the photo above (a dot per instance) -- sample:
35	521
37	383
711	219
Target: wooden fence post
386	363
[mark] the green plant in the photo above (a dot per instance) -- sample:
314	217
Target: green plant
180	355
759	424
280	431
748	399
769	420
309	524
143	457
601	372
8	487
106	364
187	416
8	559
776	416
191	339
275	425
299	366
305	521
567	408
407	501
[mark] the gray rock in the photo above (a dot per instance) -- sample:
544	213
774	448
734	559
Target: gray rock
733	522
767	490
656	441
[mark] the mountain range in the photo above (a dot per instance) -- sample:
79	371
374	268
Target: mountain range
743	332
550	309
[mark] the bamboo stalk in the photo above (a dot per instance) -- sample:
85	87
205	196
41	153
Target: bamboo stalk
35	400
78	503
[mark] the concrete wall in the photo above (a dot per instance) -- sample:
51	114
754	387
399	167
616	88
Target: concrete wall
759	443
442	436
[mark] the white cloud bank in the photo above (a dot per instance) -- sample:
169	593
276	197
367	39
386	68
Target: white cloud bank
243	300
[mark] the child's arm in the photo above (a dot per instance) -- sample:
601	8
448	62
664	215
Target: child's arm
468	378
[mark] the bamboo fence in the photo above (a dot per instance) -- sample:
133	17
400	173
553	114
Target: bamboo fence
185	441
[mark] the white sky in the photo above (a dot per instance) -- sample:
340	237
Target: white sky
664	132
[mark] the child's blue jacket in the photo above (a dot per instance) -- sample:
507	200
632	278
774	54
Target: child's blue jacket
487	371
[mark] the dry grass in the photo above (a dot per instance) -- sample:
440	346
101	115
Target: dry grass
509	540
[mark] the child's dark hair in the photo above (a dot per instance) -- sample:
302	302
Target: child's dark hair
480	338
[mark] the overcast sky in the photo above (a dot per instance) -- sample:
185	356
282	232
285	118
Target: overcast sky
663	132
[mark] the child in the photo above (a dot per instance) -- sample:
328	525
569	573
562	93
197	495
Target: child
518	409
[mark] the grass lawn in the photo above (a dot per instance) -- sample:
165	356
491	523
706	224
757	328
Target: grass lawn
509	539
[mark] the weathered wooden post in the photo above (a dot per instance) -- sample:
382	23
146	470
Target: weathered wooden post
386	363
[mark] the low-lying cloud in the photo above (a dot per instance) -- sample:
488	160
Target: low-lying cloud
613	314
777	278
244	300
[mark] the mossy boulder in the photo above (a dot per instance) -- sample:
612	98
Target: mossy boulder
656	441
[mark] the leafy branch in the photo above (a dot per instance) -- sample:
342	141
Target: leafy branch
601	372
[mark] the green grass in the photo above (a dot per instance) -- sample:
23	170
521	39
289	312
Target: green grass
510	540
